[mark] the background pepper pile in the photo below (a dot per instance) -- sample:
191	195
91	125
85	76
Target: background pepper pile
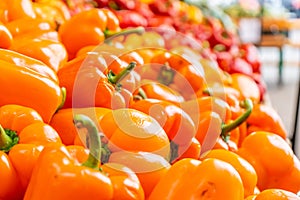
167	129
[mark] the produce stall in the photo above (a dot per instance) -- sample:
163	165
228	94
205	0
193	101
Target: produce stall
135	99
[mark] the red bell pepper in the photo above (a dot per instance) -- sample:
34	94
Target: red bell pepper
249	52
130	18
239	65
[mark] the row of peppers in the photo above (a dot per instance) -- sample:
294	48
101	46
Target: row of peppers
167	130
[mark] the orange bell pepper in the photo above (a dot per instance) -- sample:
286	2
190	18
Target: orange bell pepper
20	9
193	150
132	130
209	115
23	133
246	86
265	118
175	71
3	12
43	35
125	182
207	103
29	88
63	171
5	36
155	90
16	117
274	194
55	11
87	71
177	124
27	62
243	167
10	187
62	122
149	167
194	179
91	26
260	149
22	26
50	52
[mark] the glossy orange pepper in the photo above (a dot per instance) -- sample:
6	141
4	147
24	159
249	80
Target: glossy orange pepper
23	133
62	121
27	62
5	36
206	113
125	182
193	179
208	103
63	171
87	71
43	35
17	117
177	124
91	26
50	52
25	154
208	127
175	71
260	149
243	167
155	90
246	86
10	187
149	167
265	118
20	9
193	150
226	145
118	64
55	11
23	26
132	130
29	88
274	194
3	12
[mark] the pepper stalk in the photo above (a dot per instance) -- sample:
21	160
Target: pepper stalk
115	79
226	128
83	121
8	139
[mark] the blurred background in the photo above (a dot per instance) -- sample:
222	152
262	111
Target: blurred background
274	27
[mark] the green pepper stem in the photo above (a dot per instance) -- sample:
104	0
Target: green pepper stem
140	95
138	30
226	128
115	79
83	121
7	139
166	75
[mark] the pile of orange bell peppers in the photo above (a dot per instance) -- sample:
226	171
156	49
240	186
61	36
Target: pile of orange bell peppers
86	115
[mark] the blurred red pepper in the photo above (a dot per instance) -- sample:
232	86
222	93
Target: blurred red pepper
249	52
222	37
257	76
129	18
224	60
165	7
239	65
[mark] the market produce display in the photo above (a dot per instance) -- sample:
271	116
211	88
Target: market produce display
136	100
